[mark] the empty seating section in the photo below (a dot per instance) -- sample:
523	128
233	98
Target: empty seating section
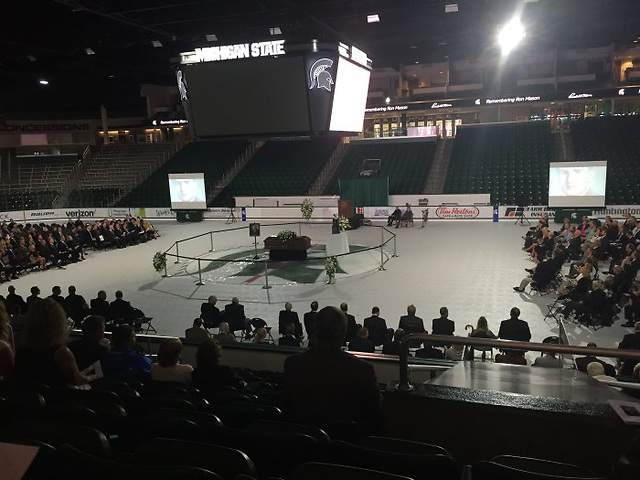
281	168
46	172
405	163
26	200
508	161
210	158
119	166
615	140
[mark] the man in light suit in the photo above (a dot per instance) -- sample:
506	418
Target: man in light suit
197	333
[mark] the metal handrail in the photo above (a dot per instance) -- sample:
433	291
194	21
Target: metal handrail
405	385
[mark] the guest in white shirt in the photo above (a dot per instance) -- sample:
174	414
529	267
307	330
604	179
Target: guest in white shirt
168	368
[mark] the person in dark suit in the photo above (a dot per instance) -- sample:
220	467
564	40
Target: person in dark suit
515	329
197	333
630	341
582	362
209	313
442	325
410	323
235	317
351	323
591	304
76	306
100	306
392	346
287	316
326	386
361	342
310	320
120	310
377	327
428	351
56	296
13	300
289	339
92	347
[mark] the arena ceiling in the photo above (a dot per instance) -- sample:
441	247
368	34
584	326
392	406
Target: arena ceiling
132	41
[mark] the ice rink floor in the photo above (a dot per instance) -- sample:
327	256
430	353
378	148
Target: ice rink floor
469	267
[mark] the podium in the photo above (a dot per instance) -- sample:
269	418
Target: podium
337	244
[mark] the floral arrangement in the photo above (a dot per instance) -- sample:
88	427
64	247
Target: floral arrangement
425	216
344	223
331	267
285	235
307	209
159	261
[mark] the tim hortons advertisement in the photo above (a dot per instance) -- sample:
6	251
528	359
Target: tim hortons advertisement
457	213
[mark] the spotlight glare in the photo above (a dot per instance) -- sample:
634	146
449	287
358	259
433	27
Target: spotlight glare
43	81
510	36
387	100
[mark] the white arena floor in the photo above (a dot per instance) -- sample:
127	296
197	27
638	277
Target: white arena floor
470	267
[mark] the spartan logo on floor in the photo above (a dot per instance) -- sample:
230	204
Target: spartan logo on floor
319	75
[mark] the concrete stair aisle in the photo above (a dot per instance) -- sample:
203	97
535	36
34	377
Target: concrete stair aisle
233	170
329	169
434	185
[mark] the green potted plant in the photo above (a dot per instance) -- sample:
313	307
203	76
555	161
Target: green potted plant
330	268
160	261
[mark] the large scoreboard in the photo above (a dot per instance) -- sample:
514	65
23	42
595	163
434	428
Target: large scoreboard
267	89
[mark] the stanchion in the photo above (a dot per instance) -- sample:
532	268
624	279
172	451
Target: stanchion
266	277
381	257
199	282
165	268
177	253
395	251
211	238
299	229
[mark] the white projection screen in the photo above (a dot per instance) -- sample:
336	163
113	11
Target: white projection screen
187	191
350	97
577	184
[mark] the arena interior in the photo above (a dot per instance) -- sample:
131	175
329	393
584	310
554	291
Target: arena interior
481	156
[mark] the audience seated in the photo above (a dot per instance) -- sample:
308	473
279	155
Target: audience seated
630	341
514	329
224	336
7	349
361	342
92	347
33	298
100	306
596	371
582	362
377	327
123	361
168	367
13	300
351	323
289	339
75	306
261	335
197	333
454	352
121	311
442	325
512	357
410	323
394	217
325	385
310	320
235	318
428	351
44	356
209	374
56	296
209	313
548	359
392	345
287	316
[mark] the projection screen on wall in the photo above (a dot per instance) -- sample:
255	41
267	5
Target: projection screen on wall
187	191
577	184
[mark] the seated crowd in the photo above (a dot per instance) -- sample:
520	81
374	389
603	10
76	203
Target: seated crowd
40	246
592	296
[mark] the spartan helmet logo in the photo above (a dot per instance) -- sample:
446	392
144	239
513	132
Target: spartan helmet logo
182	85
319	76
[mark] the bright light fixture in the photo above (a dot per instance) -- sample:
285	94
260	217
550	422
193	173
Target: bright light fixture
31	58
89	51
156	44
451	8
387	100
275	31
375	18
43	81
211	37
510	35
